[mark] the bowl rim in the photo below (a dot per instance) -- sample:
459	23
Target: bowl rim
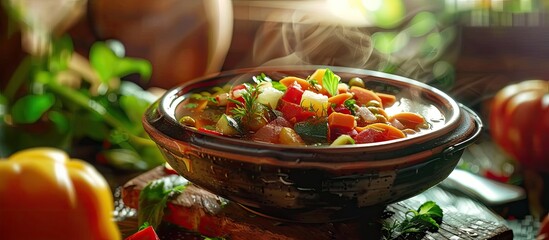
171	98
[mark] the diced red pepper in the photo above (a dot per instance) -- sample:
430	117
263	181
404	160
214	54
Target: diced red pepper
147	233
294	112
293	94
209	131
231	104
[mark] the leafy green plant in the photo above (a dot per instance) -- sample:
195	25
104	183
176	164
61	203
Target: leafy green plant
60	98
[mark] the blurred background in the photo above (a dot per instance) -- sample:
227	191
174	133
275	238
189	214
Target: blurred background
78	74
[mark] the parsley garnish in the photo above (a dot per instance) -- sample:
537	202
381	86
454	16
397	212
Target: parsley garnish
153	198
351	105
330	82
426	218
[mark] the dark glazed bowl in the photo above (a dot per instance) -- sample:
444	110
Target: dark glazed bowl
316	184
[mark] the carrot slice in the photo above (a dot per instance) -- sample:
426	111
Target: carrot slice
340	98
341	120
288	81
386	99
363	95
408	119
390	131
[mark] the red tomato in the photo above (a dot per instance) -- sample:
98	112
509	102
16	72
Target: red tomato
519	122
293	94
147	233
294	112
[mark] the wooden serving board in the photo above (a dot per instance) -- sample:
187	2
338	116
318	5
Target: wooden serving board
200	211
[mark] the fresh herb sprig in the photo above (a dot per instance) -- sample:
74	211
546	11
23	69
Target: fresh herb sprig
427	217
154	197
250	111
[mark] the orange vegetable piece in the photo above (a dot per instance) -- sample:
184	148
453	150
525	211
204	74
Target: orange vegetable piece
408	119
386	99
390	131
289	137
288	81
340	98
341	120
363	95
318	75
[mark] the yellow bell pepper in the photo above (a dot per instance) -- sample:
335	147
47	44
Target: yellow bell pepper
46	195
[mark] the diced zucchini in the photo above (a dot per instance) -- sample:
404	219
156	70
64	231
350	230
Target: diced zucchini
315	131
343	140
226	125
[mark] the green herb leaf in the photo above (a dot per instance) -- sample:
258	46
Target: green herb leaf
432	210
30	108
62	49
351	105
426	218
330	82
153	198
279	86
108	65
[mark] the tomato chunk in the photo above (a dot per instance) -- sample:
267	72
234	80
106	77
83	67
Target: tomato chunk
293	94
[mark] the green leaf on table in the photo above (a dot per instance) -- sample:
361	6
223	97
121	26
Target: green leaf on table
30	108
432	210
108	65
154	197
428	217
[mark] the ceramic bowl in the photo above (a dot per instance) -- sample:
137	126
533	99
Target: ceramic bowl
316	184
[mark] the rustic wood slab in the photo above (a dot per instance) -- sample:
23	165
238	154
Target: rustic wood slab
205	213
